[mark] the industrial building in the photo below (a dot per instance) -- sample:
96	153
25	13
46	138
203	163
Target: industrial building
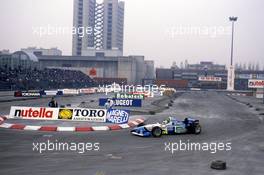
205	75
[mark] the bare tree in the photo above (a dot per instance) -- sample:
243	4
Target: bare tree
186	64
181	65
257	66
249	66
253	66
236	66
174	65
240	66
244	66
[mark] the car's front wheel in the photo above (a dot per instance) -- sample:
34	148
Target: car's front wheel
156	131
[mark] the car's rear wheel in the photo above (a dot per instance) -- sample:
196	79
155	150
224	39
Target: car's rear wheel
197	129
156	132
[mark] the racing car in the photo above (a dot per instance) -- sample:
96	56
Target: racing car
169	126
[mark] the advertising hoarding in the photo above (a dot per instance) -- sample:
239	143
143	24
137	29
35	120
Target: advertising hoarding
258	84
210	78
122	102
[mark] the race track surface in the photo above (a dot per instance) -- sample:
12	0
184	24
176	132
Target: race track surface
222	119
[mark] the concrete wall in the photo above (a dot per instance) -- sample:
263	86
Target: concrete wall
127	69
165	74
106	69
150	70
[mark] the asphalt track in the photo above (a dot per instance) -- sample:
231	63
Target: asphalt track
222	119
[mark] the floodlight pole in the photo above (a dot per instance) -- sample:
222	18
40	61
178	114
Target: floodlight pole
231	71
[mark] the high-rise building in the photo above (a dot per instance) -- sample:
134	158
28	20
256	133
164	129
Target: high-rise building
100	26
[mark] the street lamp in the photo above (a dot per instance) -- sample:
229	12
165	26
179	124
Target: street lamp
231	70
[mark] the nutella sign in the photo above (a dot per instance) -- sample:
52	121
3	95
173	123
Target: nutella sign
41	113
256	84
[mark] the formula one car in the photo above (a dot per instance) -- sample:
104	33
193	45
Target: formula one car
169	126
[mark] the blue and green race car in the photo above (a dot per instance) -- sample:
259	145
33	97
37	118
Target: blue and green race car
169	126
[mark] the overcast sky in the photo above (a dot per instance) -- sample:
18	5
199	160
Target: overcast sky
161	30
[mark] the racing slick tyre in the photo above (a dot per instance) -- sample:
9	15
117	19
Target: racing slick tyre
156	131
197	129
218	165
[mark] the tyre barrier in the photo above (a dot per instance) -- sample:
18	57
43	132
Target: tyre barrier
218	165
152	112
248	105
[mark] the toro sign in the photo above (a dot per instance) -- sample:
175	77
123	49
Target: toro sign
253	83
81	114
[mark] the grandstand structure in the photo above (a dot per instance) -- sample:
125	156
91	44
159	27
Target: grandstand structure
18	68
33	79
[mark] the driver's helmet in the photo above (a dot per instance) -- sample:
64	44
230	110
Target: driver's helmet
166	121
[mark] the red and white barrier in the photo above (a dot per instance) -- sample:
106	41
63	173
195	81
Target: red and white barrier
19	126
